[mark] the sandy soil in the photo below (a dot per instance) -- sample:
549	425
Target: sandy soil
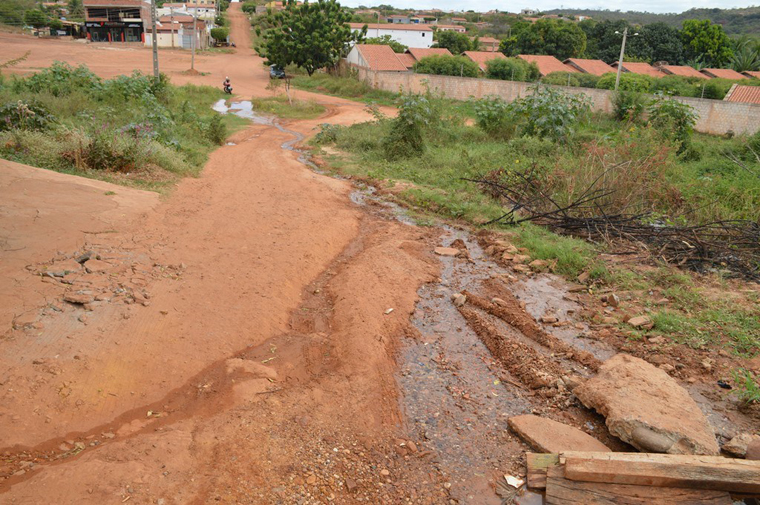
258	336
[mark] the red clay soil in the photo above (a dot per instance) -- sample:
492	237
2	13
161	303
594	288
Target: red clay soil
233	346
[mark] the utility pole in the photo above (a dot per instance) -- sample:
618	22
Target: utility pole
622	54
154	35
195	35
171	10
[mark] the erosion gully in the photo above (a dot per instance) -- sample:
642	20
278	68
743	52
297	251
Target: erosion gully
454	395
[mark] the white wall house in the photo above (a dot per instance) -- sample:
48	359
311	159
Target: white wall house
205	12
411	35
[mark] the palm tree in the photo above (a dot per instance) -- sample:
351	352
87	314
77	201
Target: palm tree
746	54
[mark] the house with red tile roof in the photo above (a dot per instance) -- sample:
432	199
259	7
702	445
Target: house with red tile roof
683	71
746	94
407	59
723	73
375	57
483	57
639	68
451	28
546	64
423	52
488	43
752	74
594	67
411	35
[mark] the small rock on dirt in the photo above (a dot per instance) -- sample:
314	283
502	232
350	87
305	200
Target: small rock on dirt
546	435
738	445
459	299
350	484
521	258
549	318
538	265
640	322
93	266
446	251
659	339
647	408
753	450
77	298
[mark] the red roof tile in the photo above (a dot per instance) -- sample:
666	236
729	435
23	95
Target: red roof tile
640	68
594	67
481	57
379	57
407	59
421	52
738	93
750	73
112	3
389	26
723	73
683	71
546	64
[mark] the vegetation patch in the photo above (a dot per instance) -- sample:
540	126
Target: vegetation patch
344	87
129	129
294	109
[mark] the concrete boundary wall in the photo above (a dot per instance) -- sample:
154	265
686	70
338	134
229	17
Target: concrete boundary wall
717	117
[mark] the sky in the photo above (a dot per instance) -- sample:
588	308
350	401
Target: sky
624	5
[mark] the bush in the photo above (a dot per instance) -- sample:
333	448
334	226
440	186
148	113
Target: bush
511	69
249	7
677	85
447	65
21	115
493	116
587	80
386	40
405	137
562	79
673	119
220	34
216	131
629	105
550	113
59	79
628	82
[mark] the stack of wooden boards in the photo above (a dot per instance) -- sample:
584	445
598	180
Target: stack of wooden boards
594	478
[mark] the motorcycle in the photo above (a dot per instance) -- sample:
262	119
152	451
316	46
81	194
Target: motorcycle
228	89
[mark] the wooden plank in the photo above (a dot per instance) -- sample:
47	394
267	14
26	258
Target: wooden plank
562	491
664	470
537	465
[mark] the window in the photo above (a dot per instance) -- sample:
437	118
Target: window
423	34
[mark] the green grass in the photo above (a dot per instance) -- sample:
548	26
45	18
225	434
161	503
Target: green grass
344	87
279	106
165	133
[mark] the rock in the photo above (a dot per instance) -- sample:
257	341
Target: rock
583	277
549	319
612	299
350	484
311	479
521	268
94	265
77	298
499	302
520	258
85	257
82	318
571	381
645	407
753	450
657	340
538	265
384	472
411	446
738	445
609	320
640	322
446	251
662	301
507	257
707	364
545	435
667	367
459	299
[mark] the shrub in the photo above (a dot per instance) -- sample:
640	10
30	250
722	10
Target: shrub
629	105
59	79
677	85
328	133
673	119
216	131
447	65
493	116
220	34
386	40
405	137
561	79
550	113
511	69
24	116
249	7
628	82
587	80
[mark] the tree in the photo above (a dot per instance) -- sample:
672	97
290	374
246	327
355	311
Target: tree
706	41
219	34
447	65
660	42
511	69
561	39
35	18
55	24
746	54
76	9
386	40
312	35
604	39
455	42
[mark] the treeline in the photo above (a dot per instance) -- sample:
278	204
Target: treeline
734	21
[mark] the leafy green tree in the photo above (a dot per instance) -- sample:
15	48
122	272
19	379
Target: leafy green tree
511	69
55	24
386	40
605	37
746	55
312	35
455	42
248	7
35	18
76	9
447	65
219	34
707	41
660	42
561	39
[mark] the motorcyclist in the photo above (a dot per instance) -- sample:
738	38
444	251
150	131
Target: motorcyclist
227	85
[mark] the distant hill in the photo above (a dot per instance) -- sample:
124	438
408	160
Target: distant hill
734	21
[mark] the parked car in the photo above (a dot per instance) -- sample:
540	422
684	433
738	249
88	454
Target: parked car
276	72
